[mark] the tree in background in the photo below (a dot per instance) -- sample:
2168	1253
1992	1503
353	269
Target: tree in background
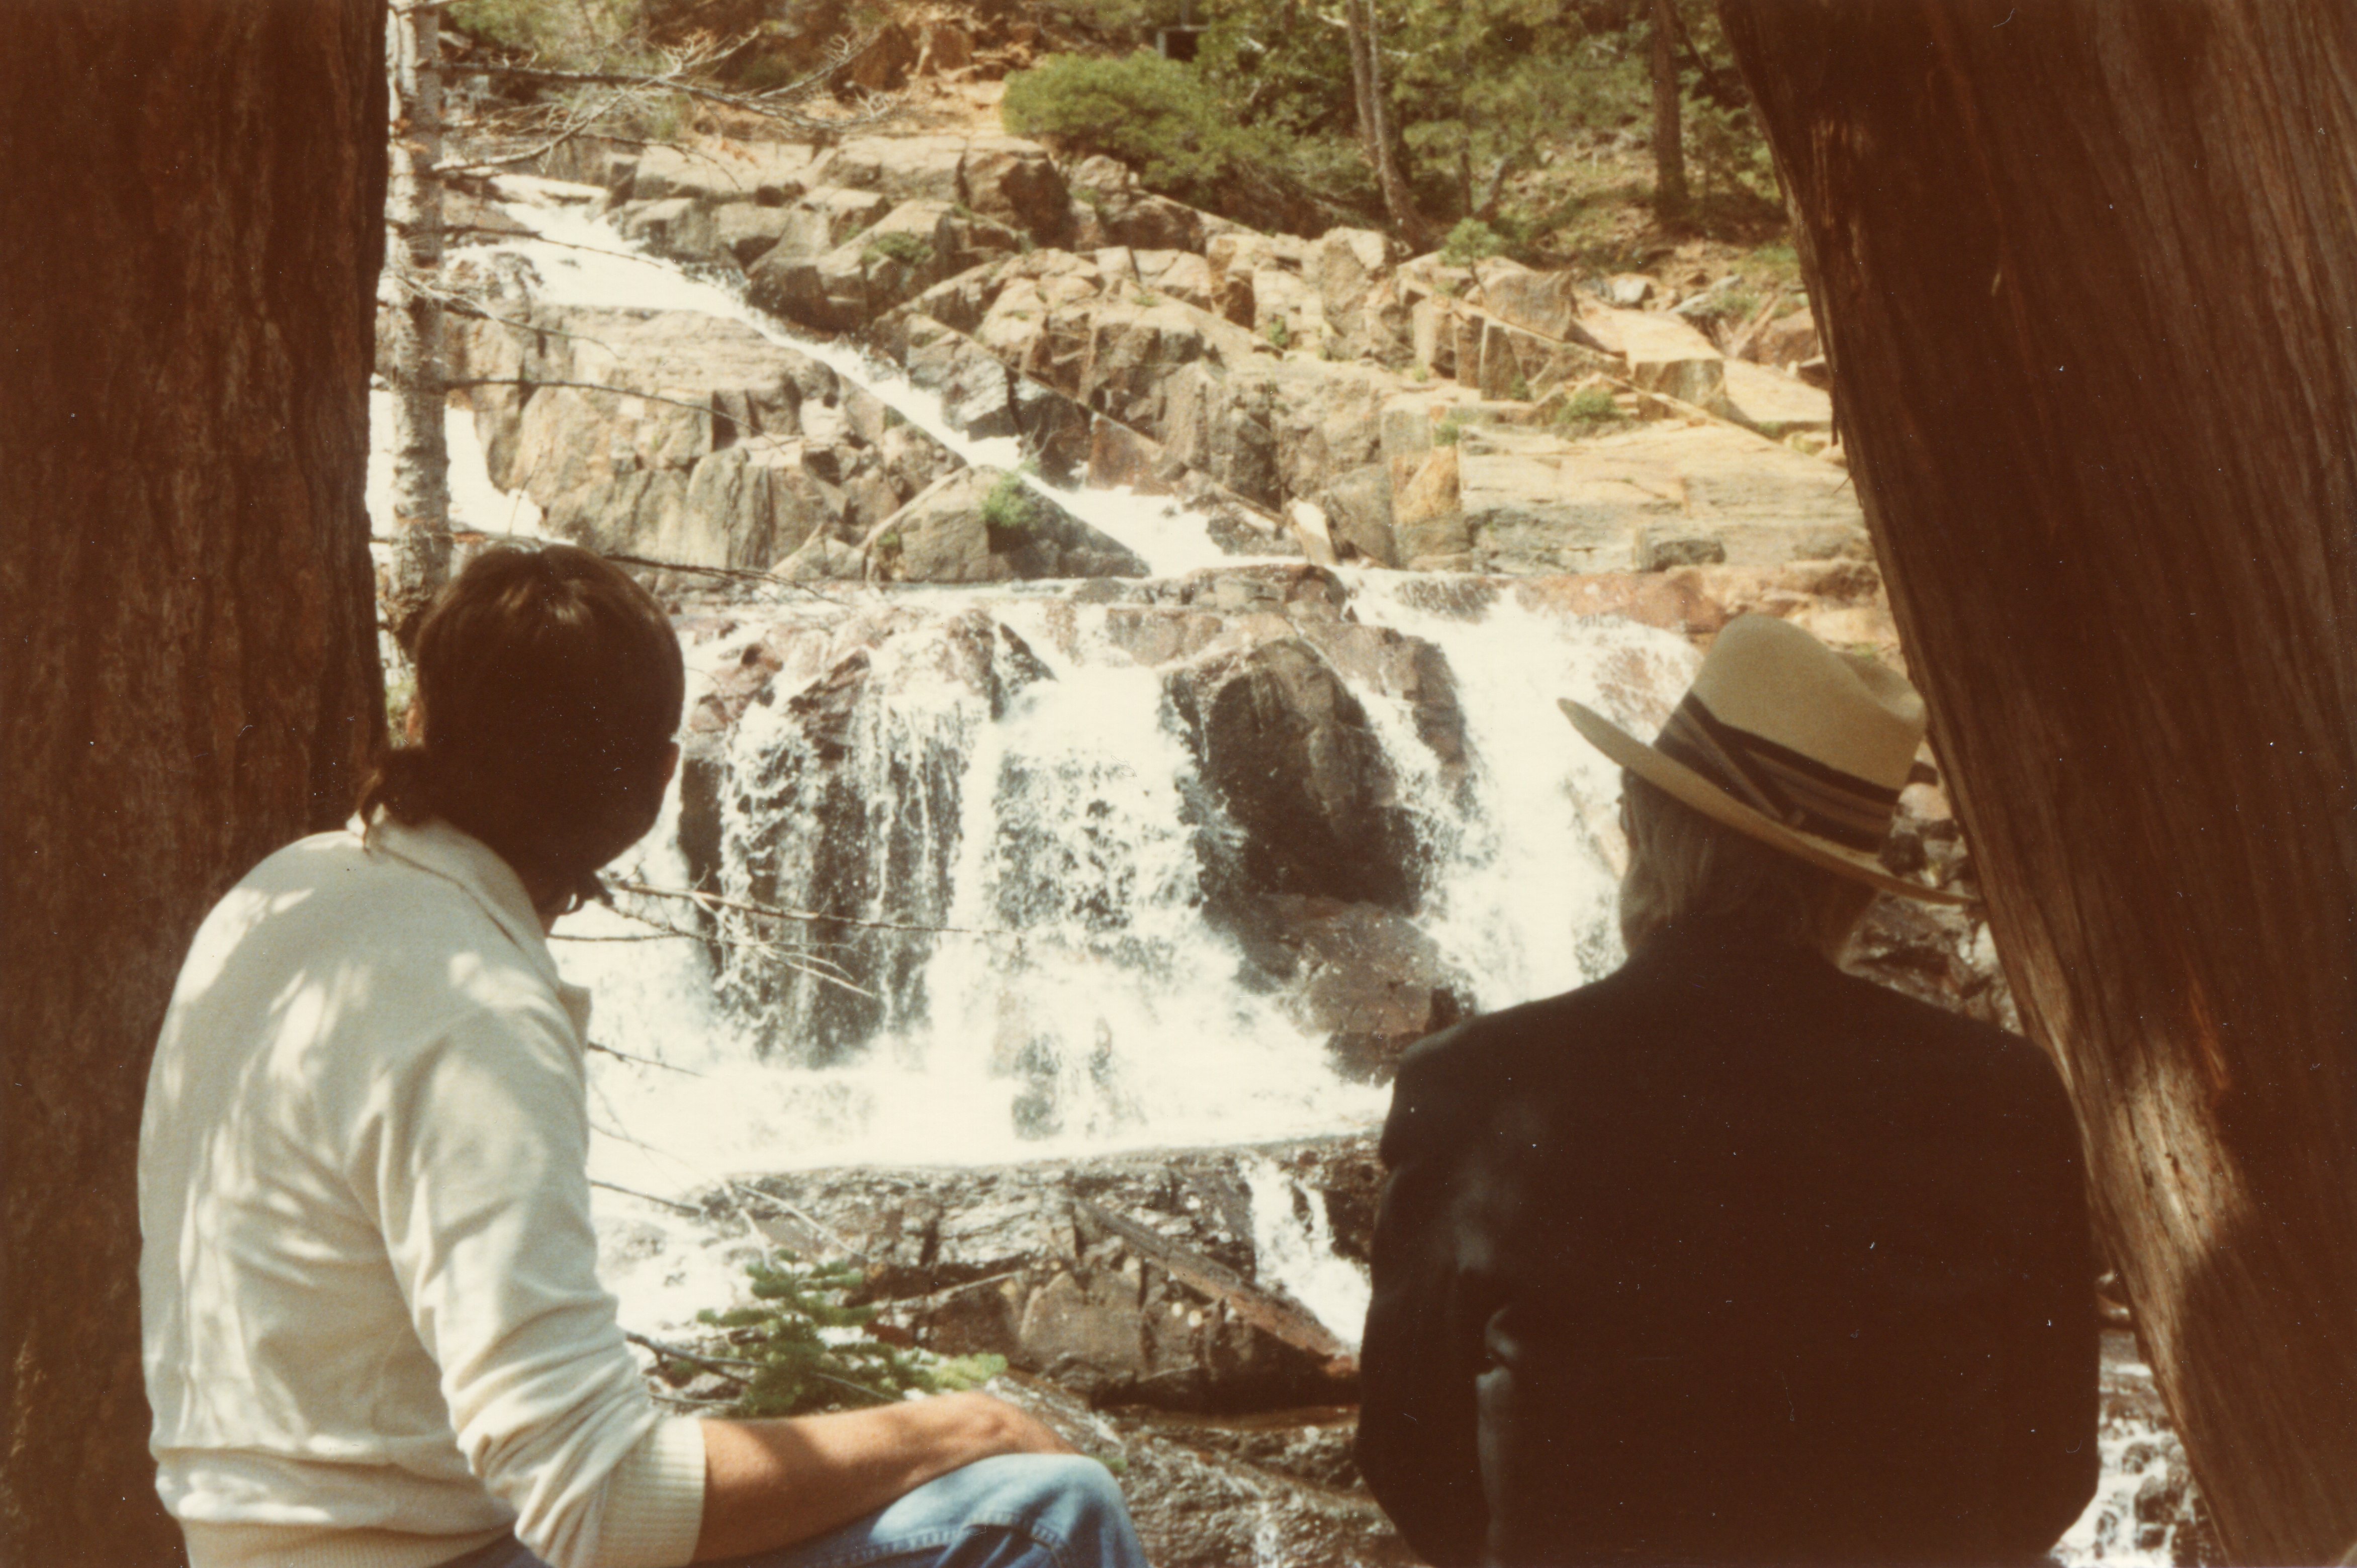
2085	273
1410	113
1669	156
195	198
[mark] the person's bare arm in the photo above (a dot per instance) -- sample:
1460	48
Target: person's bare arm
769	1484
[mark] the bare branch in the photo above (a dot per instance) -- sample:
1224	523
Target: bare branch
648	1197
716	902
778	104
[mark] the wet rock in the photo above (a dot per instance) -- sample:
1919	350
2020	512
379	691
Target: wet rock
1289	751
712	448
1210	1498
983	525
1367	978
1014	1260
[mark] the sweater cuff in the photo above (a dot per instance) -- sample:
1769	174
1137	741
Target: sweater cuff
654	1499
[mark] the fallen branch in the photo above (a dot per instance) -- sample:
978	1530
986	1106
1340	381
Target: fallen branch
642	1061
1269	1313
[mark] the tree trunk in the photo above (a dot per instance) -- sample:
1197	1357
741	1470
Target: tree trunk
1374	121
2085	271
421	452
1669	146
195	211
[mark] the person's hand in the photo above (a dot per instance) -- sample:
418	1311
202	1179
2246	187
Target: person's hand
993	1426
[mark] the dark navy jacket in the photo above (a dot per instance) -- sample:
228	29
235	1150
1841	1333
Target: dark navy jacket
1729	1257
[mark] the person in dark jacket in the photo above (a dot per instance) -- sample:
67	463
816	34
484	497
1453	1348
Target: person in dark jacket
1730	1257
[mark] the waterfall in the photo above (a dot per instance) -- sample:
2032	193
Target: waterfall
1010	802
1015	811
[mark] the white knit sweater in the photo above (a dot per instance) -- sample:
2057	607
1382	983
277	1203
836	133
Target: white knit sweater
374	1334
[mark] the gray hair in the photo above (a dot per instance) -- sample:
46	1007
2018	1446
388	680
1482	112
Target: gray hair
1684	867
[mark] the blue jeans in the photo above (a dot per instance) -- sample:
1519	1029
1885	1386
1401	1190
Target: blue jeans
1018	1511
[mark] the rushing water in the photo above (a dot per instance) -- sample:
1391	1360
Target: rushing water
1036	810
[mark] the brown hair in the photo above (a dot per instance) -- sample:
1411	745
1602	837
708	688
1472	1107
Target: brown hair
551	685
1684	867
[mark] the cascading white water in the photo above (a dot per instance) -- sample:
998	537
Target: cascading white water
1077	999
1109	1014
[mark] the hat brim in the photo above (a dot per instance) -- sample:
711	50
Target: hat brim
1691	789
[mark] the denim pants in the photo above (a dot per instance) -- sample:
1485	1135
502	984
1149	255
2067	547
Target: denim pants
1018	1511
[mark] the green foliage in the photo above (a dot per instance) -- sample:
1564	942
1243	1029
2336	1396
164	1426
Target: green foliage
889	543
1590	410
807	1352
1725	305
564	34
1279	332
898	245
1449	432
1472	240
1155	115
1008	508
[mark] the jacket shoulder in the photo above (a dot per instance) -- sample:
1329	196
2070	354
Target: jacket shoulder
1450	1082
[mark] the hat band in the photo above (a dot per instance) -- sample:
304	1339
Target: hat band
1777	781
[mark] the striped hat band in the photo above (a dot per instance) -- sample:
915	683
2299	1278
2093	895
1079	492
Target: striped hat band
1778	782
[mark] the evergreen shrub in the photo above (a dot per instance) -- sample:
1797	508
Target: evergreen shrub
804	1351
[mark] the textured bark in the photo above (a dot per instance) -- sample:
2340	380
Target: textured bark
2085	271
1375	120
1669	143
421	449
187	262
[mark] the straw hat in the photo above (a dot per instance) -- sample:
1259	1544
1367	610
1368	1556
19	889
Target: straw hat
1780	738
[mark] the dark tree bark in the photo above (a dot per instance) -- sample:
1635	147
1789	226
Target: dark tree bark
195	215
1669	143
1375	120
2086	272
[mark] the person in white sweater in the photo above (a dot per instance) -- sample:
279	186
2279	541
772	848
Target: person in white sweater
374	1334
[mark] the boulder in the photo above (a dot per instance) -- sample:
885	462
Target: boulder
1358	508
1785	340
677	226
1109	208
1663	353
746	230
904	253
1015	182
984	525
945	47
715	173
1345	266
1289	751
1286	309
826	218
1546	303
1534	502
1774	403
1369	980
715	447
1429	529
